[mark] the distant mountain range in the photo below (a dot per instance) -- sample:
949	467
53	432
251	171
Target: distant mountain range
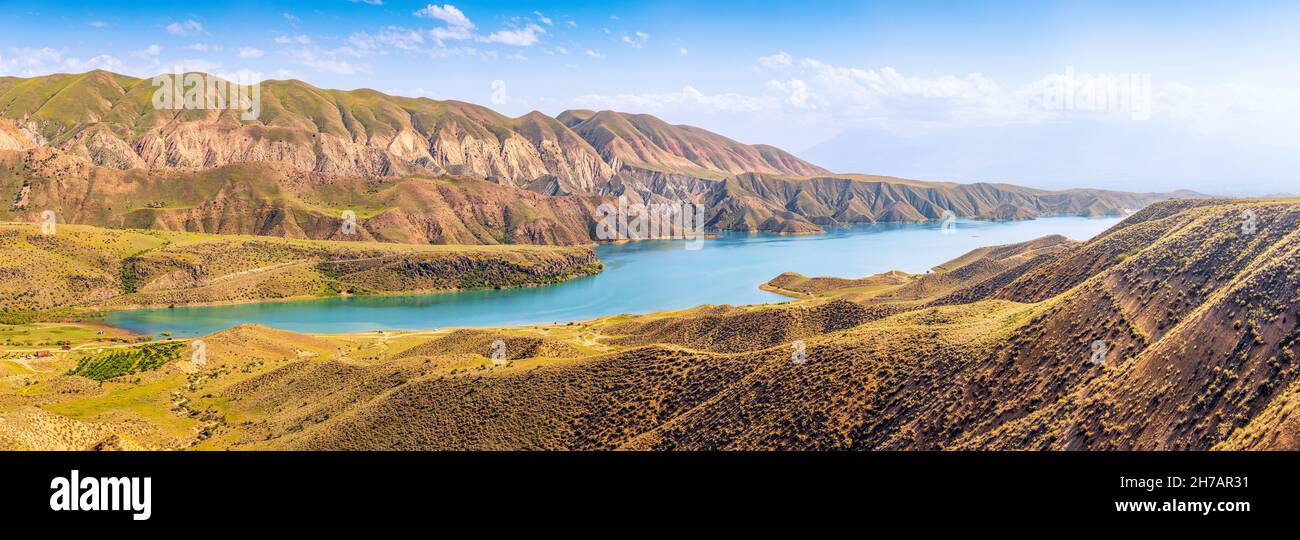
313	152
1155	154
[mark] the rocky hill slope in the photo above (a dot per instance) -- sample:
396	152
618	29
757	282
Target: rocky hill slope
110	119
641	141
1176	329
759	202
81	266
275	200
1181	340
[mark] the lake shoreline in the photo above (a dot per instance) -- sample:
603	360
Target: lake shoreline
642	277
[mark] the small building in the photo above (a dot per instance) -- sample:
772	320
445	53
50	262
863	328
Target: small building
43	354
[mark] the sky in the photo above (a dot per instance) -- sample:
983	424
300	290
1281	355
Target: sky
1148	97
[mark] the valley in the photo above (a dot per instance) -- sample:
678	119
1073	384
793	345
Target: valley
997	349
352	270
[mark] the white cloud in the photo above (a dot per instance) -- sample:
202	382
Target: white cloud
322	61
795	91
825	98
637	40
203	47
683	52
885	96
776	61
97	24
299	39
31	62
293	19
451	33
250	52
446	13
545	20
688	98
21	61
392	36
460	28
189	27
519	37
403	39
594	54
198	64
152	51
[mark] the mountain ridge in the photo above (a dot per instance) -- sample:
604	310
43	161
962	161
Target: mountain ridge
274	199
371	141
108	118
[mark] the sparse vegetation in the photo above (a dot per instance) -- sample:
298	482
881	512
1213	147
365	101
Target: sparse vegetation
992	352
88	267
119	362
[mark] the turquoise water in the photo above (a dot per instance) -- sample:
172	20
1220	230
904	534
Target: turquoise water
639	277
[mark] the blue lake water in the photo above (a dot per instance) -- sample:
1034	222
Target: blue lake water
639	277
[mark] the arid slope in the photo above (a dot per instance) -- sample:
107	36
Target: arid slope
1174	330
83	266
273	200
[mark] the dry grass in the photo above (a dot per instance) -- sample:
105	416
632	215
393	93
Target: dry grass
1200	323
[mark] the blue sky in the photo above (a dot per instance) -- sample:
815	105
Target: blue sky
830	79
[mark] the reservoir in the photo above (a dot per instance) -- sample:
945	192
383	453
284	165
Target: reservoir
639	277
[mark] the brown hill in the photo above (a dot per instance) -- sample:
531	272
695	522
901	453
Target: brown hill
83	266
110	120
367	137
12	138
1179	340
759	202
797	285
974	276
641	141
275	200
1198	327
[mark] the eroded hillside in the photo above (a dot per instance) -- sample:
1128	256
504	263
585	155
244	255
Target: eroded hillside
311	150
1174	330
89	267
110	119
273	200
